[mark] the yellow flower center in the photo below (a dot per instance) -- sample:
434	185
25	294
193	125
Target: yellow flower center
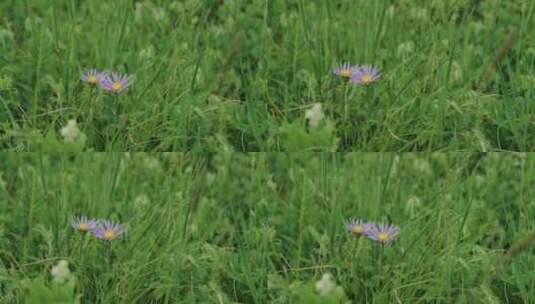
117	86
108	234
92	79
382	237
366	79
346	73
82	227
357	229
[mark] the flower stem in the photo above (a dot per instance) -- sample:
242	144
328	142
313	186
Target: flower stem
109	253
380	262
354	255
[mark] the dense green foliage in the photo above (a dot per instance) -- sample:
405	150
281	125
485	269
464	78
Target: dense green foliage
264	228
457	74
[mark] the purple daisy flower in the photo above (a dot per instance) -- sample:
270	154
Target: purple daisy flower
365	75
345	70
115	83
108	230
357	227
83	224
382	233
92	76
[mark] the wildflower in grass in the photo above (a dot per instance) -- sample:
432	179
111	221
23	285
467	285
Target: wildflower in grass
325	285
314	115
92	77
60	273
70	132
382	233
107	230
357	227
83	224
115	83
328	287
365	75
345	70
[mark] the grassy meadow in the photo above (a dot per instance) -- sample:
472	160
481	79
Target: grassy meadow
174	91
456	75
268	228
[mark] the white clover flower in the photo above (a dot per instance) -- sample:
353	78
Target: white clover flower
314	115
70	132
60	272
325	286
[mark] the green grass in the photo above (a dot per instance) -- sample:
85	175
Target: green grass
263	228
457	74
216	77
